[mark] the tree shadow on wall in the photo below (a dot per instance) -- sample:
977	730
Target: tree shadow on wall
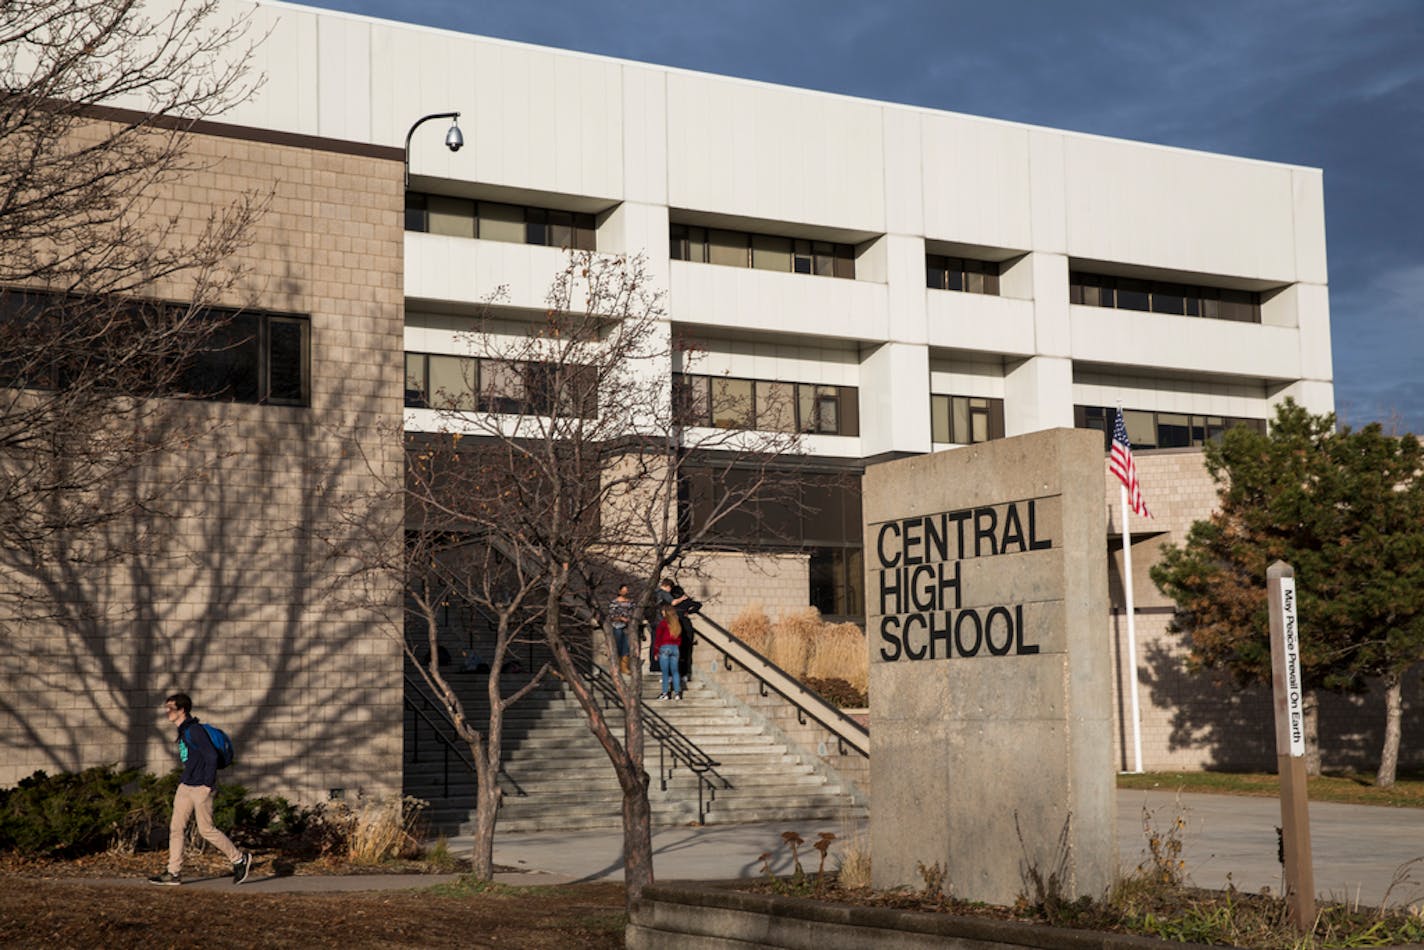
1232	727
211	595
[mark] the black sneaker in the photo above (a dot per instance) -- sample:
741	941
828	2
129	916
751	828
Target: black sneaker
167	878
241	868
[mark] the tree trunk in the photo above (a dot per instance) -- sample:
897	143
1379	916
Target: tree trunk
637	839
488	756
1393	715
1311	707
487	798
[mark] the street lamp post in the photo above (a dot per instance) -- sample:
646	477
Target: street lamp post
453	139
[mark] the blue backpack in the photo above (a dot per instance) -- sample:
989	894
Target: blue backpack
221	741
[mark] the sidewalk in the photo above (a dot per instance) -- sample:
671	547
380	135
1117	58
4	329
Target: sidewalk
1357	851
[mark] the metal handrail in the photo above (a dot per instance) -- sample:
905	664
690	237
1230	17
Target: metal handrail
806	701
448	744
672	743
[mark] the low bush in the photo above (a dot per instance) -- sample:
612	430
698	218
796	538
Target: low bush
837	692
105	808
66	815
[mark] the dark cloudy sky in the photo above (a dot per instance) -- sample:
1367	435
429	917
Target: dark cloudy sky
1334	85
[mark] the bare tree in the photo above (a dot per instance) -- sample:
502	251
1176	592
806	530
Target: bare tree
585	444
442	557
97	104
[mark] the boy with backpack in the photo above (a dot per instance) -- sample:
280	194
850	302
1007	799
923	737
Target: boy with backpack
196	789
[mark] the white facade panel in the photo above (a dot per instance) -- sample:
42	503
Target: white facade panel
1309	193
760	151
895	400
288	99
344	79
645	135
904	172
1047	192
1179	210
961	321
1201	396
960	377
765	359
976	178
470	271
770	302
1191	344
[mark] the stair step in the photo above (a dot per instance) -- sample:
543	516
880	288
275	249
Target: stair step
550	754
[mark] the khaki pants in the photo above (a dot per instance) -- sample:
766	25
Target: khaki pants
195	800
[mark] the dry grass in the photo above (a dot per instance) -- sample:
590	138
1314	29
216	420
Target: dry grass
385	828
804	645
853	863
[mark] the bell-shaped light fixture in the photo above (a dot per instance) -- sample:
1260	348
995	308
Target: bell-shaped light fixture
453	139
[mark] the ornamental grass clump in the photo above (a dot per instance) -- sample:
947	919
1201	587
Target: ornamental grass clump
810	649
384	829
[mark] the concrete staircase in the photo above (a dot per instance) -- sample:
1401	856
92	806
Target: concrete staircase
558	777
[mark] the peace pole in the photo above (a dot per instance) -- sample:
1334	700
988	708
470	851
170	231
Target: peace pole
1289	688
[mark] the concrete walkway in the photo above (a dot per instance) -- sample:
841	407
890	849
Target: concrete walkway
1358	851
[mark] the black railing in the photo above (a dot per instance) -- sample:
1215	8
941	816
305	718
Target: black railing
441	728
805	701
673	745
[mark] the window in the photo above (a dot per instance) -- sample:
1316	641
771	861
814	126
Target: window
255	357
837	578
965	420
962	274
1148	429
767	405
496	221
761	251
793	509
1123	293
465	384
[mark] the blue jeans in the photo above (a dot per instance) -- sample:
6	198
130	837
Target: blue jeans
620	635
667	662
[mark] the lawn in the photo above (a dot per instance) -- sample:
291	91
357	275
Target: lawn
1354	788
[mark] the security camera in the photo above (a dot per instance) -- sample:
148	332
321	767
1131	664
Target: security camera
453	139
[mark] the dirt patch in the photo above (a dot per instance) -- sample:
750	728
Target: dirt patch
50	912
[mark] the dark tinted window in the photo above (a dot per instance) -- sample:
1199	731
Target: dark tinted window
1101	290
963	274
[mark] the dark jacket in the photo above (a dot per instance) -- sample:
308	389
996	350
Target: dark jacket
201	766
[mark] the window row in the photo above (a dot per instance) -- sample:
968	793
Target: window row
493	221
1125	293
767	405
54	341
761	251
964	420
469	384
1148	429
961	273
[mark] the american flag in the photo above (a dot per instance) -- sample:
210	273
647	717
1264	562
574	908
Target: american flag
1122	465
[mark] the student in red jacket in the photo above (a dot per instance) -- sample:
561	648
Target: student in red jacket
666	643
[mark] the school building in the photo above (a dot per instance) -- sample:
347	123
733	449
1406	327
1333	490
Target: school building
905	280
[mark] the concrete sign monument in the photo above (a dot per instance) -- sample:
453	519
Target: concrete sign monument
990	667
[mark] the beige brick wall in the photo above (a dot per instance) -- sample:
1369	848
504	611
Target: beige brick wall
728	584
227	603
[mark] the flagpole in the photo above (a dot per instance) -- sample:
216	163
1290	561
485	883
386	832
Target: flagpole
1131	634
